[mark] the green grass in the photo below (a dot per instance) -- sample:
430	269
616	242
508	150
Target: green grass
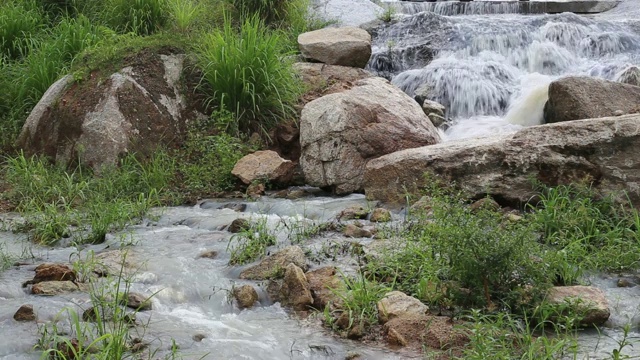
249	75
19	23
251	244
142	17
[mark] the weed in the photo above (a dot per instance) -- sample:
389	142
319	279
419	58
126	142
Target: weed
360	301
251	243
19	23
249	75
142	17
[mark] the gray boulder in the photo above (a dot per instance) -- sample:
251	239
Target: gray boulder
101	118
576	98
603	150
340	133
347	46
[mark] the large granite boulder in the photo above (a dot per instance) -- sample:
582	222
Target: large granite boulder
603	150
576	98
105	116
347	46
340	133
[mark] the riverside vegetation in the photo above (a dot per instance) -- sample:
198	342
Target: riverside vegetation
477	265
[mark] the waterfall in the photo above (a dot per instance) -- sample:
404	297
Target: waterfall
492	72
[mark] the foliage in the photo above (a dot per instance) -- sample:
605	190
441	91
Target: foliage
142	17
251	243
360	300
248	74
19	23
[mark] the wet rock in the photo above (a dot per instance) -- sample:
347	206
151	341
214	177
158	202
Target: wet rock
53	272
106	313
432	107
423	93
198	337
50	288
630	75
396	304
209	254
262	166
319	76
139	301
352	355
245	296
340	133
438	120
237	207
255	190
347	46
587	300
380	215
485	203
599	149
624	282
419	330
117	262
322	283
239	225
295	290
351	230
575	98
352	213
95	122
274	266
25	313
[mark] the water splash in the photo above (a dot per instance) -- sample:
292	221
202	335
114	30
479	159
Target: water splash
498	67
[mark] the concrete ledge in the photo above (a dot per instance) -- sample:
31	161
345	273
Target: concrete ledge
504	7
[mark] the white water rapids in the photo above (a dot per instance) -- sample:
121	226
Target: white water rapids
492	72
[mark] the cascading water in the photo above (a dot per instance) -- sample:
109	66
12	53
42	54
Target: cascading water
492	72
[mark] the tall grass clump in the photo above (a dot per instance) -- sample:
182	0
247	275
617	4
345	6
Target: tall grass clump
248	74
19	23
142	17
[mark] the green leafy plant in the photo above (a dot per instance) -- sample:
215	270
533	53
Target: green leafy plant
248	74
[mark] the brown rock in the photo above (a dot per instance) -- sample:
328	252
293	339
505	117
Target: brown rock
575	98
340	133
418	330
264	165
322	283
319	76
380	215
25	313
485	203
274	266
239	225
587	300
50	288
53	272
295	290
346	46
139	301
396	304
255	190
353	231
353	212
209	254
245	296
603	150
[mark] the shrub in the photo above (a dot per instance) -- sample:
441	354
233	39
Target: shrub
269	11
248	74
143	17
19	22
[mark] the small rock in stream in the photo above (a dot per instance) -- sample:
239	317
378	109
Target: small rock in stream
380	215
624	282
210	254
239	225
245	296
350	230
138	301
50	288
25	313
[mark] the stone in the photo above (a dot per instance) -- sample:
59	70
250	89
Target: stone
575	98
53	272
624	282
265	165
245	296
50	288
239	225
139	301
274	266
353	213
630	75
117	263
502	166
340	133
255	190
345	46
209	254
396	304
588	300
295	290
485	203
25	313
95	122
438	120
322	282
353	231
380	215
420	330
320	76
432	107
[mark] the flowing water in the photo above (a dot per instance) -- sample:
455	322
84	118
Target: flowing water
190	293
492	72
